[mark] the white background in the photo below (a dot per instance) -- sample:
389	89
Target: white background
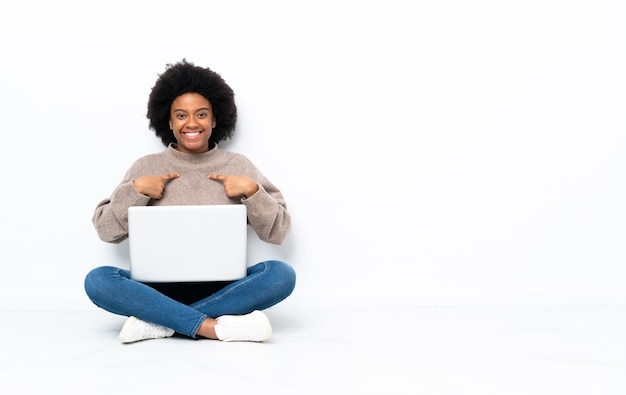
431	152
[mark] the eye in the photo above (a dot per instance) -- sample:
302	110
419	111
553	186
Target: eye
203	115
180	116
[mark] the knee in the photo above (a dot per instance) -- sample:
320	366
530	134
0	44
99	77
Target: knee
284	276
97	282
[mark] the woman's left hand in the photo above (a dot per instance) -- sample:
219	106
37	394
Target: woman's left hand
236	185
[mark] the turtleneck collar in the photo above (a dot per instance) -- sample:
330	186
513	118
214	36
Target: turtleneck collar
203	157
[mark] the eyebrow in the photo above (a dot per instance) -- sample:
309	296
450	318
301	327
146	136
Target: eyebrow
199	109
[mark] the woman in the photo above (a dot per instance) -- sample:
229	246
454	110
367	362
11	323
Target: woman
191	109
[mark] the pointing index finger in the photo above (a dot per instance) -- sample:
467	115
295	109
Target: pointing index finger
169	176
219	177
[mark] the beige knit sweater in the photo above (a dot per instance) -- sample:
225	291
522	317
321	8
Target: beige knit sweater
267	210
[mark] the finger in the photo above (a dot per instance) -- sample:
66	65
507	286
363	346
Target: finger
219	177
169	176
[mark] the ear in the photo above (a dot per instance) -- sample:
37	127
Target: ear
214	122
170	123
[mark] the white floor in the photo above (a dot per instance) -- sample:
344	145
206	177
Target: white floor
410	350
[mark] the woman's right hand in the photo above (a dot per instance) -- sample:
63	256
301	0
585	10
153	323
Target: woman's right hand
153	186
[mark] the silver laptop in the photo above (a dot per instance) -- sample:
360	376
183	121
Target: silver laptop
187	243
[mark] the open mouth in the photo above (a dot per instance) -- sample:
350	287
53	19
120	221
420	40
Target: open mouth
191	135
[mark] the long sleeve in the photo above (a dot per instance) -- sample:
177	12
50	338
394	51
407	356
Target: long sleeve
111	215
267	214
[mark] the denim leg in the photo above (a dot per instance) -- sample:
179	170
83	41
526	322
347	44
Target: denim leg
111	289
266	284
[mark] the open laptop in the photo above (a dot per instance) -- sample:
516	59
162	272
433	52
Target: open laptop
187	243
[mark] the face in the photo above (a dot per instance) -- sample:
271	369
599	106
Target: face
192	121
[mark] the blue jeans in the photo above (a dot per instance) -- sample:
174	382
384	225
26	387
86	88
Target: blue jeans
266	284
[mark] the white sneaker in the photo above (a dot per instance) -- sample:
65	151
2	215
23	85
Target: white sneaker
135	330
253	327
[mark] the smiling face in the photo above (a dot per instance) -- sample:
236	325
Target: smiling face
192	121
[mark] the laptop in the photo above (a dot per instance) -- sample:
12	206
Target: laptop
187	243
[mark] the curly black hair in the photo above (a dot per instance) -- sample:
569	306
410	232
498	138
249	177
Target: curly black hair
184	77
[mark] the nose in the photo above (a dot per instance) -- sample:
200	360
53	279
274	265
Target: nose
191	123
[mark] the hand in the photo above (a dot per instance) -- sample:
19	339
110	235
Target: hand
153	186
236	185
